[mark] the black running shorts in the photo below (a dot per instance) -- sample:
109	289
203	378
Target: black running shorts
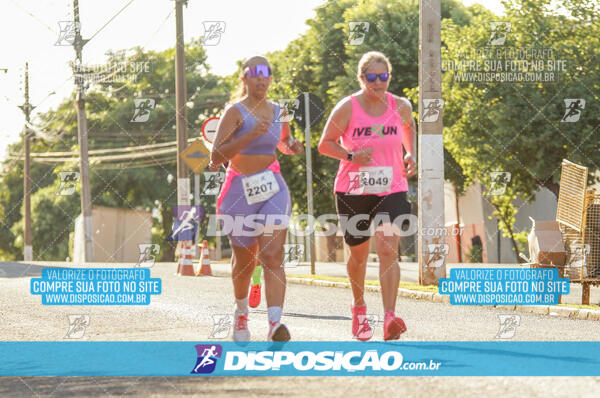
349	206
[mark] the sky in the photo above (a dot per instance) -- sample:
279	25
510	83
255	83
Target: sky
30	29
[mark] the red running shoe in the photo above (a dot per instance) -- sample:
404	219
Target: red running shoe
360	326
393	327
254	298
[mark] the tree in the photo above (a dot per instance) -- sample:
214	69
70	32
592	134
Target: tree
516	127
109	111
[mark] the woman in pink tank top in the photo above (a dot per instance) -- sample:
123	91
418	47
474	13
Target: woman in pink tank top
372	132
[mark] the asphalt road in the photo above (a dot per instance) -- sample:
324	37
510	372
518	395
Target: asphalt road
184	312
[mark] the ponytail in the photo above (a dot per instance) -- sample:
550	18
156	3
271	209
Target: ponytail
239	93
241	90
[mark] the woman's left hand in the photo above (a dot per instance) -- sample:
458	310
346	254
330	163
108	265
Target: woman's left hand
295	146
411	165
213	167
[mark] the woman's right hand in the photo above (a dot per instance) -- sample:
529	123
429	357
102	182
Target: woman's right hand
362	156
260	128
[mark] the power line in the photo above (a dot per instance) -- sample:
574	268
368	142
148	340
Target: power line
160	26
101	151
111	157
136	165
33	16
60	157
110	20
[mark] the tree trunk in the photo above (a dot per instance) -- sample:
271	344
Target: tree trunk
167	224
551	186
511	235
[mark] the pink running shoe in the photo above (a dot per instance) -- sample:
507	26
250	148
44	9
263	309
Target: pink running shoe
393	327
240	326
360	326
278	332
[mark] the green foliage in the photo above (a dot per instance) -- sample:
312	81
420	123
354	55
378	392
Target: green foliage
487	127
475	254
322	62
54	218
109	111
515	127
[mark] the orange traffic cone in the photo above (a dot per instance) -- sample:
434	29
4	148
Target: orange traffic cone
204	261
185	265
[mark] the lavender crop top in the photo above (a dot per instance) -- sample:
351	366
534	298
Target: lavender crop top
266	143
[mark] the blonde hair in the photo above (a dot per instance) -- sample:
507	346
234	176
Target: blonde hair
367	59
241	90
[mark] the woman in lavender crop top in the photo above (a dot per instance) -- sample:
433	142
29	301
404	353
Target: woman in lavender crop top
372	132
254	204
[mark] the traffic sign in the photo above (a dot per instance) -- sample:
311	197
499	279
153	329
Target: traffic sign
209	129
196	156
316	109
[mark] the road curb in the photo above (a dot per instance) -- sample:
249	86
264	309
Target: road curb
548	310
371	288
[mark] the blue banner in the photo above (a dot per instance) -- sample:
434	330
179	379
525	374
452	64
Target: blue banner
337	358
504	286
95	286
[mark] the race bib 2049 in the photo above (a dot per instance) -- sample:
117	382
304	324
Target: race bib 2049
370	180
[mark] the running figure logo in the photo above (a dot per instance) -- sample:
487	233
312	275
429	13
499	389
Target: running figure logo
207	358
212	32
356	182
148	253
437	253
68	181
508	326
499	31
222	324
186	219
432	108
357	32
77	326
574	107
366	325
68	31
143	108
578	255
499	181
287	109
292	254
213	182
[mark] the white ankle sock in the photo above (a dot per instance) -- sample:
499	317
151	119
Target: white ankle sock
242	305
274	314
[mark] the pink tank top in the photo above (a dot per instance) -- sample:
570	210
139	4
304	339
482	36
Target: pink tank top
384	134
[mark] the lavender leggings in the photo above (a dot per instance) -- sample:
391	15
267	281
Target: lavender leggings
232	202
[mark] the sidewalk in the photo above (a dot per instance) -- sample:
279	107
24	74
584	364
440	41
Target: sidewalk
409	272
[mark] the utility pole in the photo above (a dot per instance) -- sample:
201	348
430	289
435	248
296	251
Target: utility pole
309	190
84	167
431	239
183	182
27	108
